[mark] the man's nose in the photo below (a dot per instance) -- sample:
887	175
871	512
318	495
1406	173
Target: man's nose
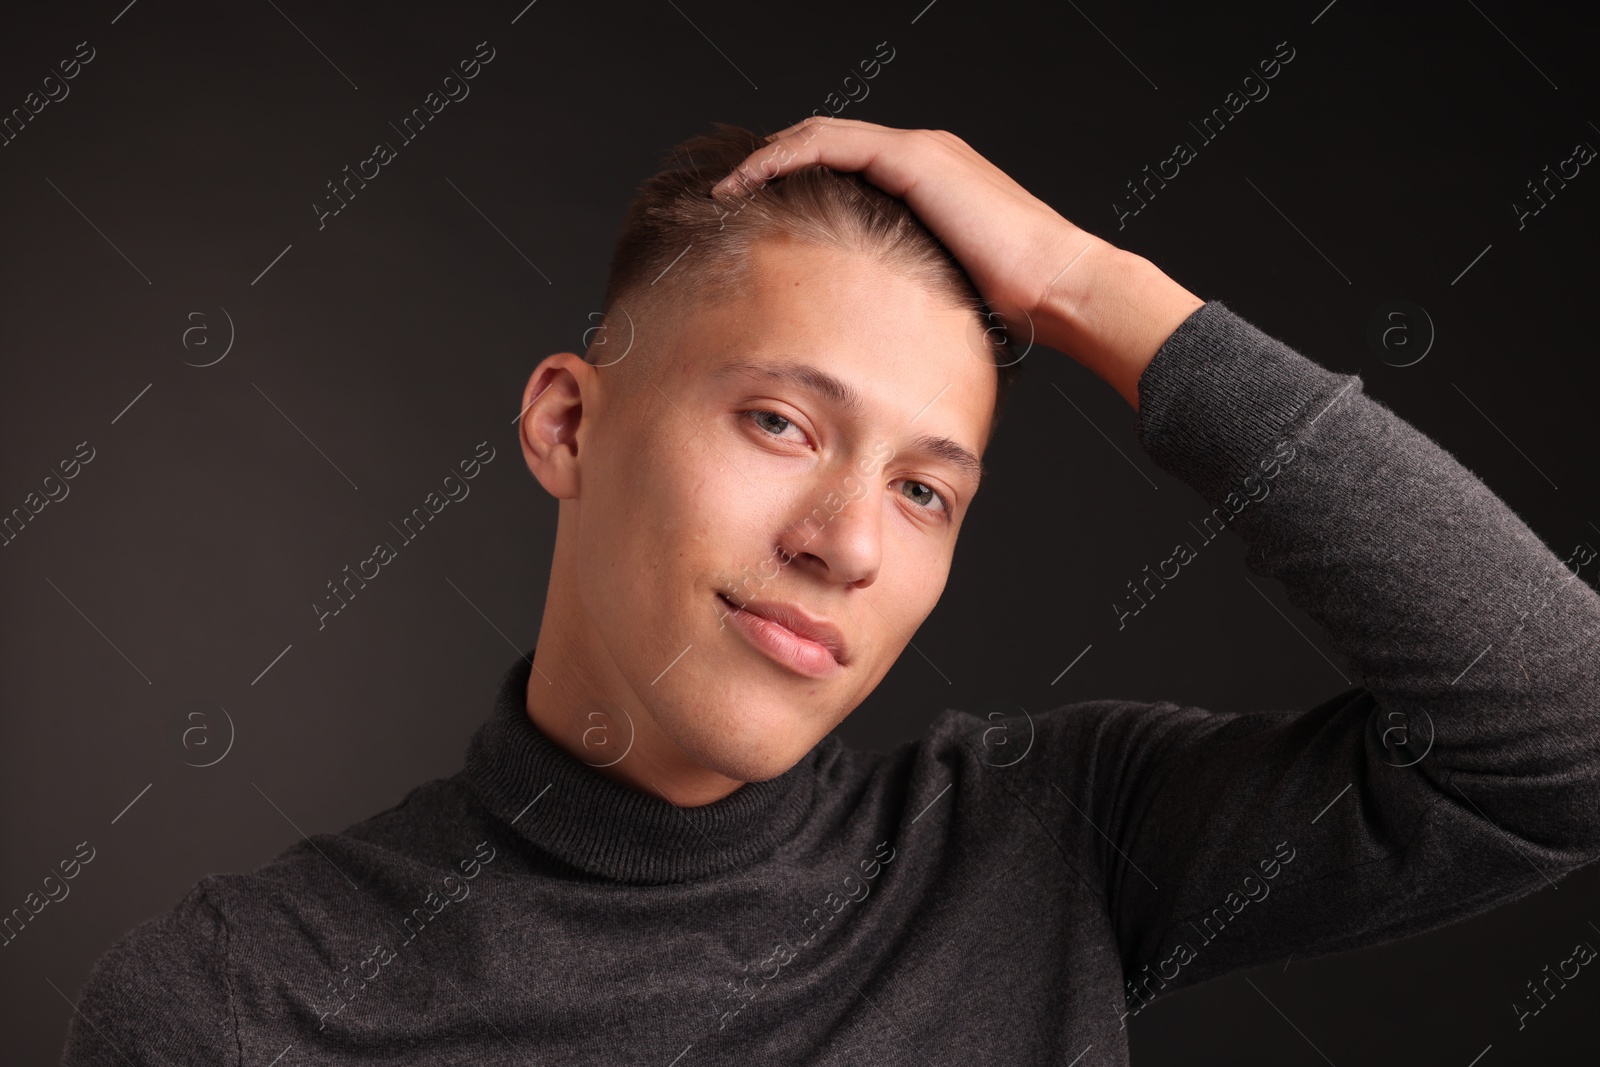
840	534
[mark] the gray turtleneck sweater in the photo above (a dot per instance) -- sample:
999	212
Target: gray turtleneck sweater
1007	891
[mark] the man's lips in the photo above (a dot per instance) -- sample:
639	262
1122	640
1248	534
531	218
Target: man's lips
798	622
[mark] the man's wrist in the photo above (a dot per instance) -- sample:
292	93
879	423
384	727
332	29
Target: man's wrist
1112	311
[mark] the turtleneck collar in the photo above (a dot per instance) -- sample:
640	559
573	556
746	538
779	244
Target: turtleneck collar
572	811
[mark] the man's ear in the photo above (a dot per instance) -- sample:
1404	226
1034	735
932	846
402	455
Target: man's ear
552	421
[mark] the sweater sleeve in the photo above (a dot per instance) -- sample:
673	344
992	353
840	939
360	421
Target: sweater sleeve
160	994
1460	770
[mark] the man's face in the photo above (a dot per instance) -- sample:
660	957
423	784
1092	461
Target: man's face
707	486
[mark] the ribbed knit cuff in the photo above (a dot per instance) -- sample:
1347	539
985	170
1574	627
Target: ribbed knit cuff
1220	393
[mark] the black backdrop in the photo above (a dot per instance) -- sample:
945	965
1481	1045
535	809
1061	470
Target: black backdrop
162	208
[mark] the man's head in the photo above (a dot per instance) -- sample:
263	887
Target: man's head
784	412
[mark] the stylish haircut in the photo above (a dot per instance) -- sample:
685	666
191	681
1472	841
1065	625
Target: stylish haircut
679	245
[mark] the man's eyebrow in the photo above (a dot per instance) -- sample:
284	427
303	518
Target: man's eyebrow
819	382
956	455
803	376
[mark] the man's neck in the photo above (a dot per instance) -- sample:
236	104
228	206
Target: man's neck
617	738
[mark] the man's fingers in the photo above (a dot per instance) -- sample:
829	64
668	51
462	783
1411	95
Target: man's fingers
778	156
830	142
821	120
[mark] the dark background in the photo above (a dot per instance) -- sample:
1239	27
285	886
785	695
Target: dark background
378	351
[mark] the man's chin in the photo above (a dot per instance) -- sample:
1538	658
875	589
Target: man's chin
751	748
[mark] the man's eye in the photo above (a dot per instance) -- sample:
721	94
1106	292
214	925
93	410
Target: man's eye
933	494
765	419
925	496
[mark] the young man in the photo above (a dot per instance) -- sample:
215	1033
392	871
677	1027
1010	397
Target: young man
655	853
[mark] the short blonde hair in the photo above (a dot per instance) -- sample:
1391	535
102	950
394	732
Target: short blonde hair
674	222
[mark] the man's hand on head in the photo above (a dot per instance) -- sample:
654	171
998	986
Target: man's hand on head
1049	279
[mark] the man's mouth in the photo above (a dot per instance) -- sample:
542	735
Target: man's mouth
790	635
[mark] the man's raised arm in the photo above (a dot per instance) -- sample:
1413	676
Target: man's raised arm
1464	767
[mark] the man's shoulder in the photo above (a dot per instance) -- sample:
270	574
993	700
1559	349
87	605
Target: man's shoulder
159	991
192	927
166	987
1088	743
1001	728
423	829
